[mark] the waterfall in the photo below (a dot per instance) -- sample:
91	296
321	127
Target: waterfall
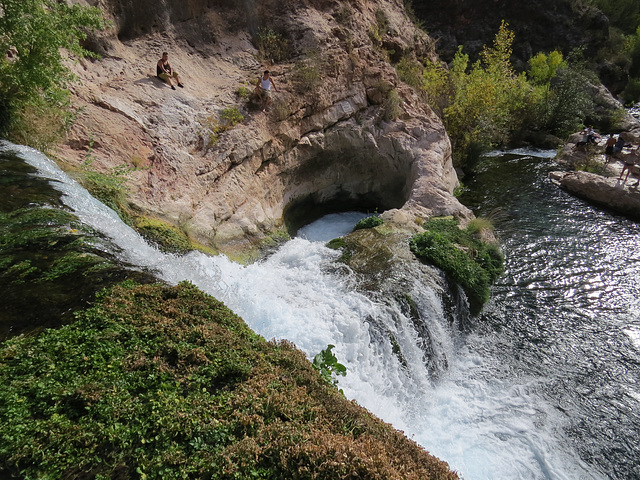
474	414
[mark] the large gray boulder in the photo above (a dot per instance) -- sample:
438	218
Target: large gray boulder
610	192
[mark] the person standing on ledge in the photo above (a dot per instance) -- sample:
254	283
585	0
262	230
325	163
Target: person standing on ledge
608	147
165	72
263	89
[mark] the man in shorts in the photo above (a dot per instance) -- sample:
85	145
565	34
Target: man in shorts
165	73
263	89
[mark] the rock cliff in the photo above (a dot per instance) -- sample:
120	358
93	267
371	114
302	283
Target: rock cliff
342	131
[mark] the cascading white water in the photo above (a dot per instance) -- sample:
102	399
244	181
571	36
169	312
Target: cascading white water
481	418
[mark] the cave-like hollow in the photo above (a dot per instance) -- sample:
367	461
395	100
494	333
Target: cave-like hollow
362	179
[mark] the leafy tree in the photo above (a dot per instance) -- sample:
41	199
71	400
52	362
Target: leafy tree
625	14
542	68
488	98
569	102
631	93
34	81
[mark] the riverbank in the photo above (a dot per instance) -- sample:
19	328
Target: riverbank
599	178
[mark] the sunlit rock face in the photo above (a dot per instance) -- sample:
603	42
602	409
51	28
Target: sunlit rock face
342	131
619	196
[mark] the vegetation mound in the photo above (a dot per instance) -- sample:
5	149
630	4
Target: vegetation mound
470	262
166	382
368	222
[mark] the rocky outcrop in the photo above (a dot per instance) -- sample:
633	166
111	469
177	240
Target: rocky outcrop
608	187
610	192
343	131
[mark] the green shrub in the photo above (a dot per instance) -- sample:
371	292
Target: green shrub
272	45
344	14
392	107
307	74
487	99
281	108
410	72
39	29
568	103
591	163
162	382
327	364
167	238
379	29
39	122
437	87
223	121
469	262
243	92
230	117
631	93
110	188
543	68
368	222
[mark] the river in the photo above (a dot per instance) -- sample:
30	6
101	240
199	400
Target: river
542	385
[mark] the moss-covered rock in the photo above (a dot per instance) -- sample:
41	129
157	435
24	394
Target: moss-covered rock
166	382
369	222
166	237
470	262
50	264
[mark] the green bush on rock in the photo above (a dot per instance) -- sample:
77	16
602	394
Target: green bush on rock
470	262
164	236
368	222
166	382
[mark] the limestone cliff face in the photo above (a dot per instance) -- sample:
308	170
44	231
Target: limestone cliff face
342	132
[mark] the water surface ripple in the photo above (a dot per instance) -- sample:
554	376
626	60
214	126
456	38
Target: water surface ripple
567	309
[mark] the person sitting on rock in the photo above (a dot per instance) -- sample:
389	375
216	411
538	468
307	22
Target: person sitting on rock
620	144
591	135
165	72
263	89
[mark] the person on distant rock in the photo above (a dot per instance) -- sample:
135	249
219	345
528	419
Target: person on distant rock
591	135
629	162
620	143
263	89
608	147
166	73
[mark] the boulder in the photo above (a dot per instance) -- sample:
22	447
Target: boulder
609	192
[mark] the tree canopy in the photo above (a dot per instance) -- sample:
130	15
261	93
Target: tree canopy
37	31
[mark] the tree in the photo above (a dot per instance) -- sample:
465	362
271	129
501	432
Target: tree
37	77
487	101
542	68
